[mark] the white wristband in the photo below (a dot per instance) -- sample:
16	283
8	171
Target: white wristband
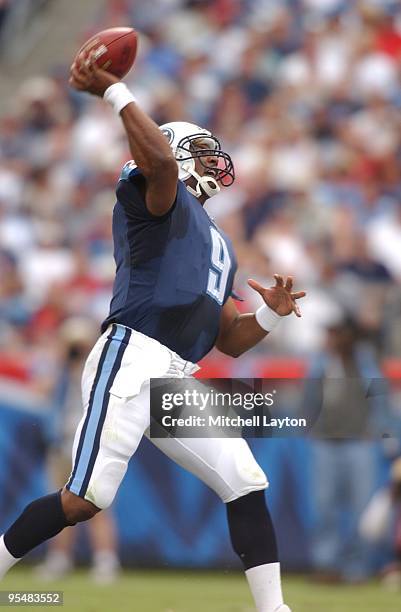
267	318
118	96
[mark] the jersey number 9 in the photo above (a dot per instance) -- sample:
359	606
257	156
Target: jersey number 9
219	269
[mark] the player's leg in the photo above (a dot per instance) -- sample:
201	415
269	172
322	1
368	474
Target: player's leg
59	555
42	519
253	538
228	467
106	438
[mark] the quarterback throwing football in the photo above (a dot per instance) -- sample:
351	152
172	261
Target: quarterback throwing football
171	304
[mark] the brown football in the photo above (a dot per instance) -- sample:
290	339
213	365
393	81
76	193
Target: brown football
115	50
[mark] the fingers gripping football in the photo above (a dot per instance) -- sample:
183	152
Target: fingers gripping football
280	297
85	75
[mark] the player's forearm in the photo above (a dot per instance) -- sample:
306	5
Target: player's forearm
148	146
243	334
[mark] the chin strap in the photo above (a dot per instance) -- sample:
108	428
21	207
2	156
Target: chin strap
207	184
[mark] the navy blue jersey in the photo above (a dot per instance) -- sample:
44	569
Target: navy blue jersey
174	272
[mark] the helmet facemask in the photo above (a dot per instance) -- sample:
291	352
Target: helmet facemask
203	147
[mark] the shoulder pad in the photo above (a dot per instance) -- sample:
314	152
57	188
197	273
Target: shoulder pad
128	170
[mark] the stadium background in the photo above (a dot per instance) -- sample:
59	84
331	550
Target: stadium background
305	95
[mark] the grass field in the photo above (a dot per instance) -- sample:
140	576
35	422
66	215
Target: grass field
199	592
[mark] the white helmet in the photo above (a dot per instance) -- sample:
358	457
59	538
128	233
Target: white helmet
183	138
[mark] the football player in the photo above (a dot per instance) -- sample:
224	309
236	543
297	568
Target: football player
171	304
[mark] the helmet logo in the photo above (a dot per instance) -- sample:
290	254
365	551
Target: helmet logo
169	134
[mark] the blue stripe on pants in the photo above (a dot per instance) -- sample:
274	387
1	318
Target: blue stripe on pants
88	448
90	403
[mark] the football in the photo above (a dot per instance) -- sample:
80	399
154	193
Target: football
115	50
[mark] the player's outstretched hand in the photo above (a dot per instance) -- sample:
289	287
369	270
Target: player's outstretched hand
280	298
85	75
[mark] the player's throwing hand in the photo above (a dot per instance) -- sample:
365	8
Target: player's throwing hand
85	75
280	298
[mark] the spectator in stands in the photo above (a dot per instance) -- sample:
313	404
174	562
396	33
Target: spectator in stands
347	402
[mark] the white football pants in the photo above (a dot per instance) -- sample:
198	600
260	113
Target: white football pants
115	392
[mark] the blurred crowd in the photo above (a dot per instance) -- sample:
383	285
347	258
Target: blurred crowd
15	15
4	8
305	96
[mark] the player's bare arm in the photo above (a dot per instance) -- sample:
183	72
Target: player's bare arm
240	332
148	146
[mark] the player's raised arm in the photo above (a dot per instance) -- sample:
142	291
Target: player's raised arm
148	145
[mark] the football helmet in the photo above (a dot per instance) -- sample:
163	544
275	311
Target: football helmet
190	142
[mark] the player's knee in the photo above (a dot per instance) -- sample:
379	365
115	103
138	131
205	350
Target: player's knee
105	482
76	509
249	481
244	474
